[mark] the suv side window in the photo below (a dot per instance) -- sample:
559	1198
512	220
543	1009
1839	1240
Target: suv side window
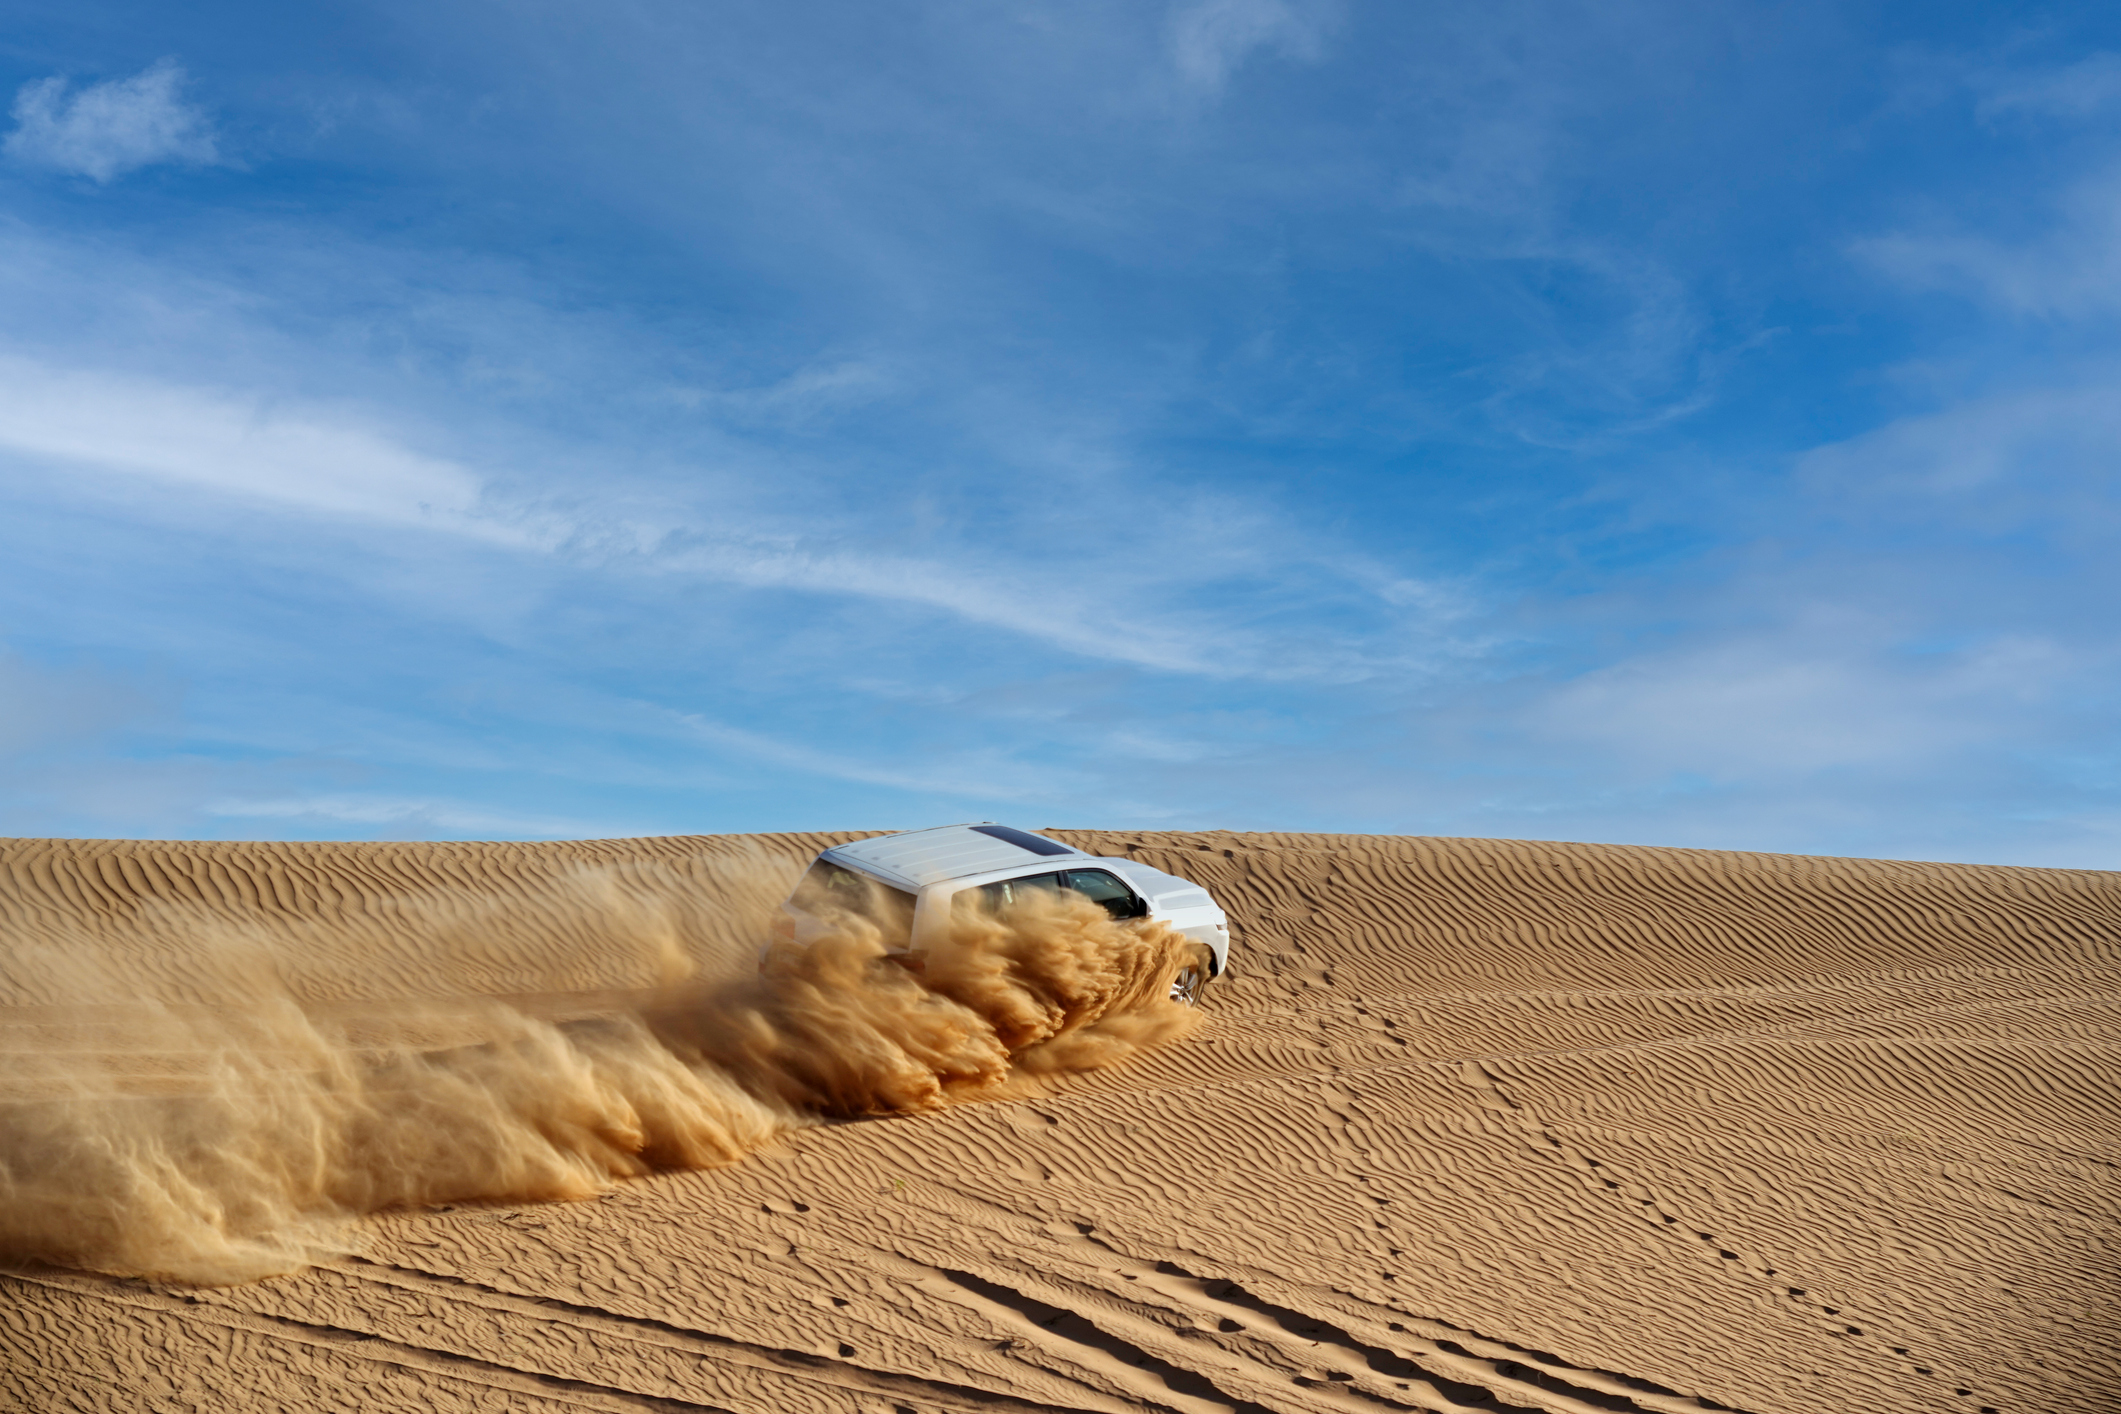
1000	895
1103	887
1100	886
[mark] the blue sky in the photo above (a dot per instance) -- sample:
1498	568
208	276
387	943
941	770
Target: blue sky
1639	422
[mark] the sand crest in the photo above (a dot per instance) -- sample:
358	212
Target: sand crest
1477	1125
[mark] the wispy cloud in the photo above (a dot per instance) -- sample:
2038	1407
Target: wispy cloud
2077	90
1211	39
1825	692
2053	252
2070	270
280	454
240	445
1007	597
765	425
2005	462
108	129
798	402
1127	593
981	776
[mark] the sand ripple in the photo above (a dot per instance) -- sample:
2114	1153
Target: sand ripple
1479	1125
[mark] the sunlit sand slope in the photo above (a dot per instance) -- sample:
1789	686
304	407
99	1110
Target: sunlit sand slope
1477	1125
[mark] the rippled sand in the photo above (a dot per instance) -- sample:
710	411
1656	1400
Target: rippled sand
1476	1125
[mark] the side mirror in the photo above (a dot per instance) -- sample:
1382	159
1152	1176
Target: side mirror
1122	909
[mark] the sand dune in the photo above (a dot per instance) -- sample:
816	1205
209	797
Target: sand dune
1477	1125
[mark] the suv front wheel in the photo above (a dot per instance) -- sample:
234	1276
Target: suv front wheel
1191	979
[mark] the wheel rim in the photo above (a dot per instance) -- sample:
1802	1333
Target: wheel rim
1185	987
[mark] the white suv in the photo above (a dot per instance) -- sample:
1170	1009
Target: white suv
915	875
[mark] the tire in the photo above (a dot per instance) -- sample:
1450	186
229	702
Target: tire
1191	979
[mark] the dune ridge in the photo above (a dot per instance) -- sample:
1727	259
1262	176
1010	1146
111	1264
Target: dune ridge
1475	1125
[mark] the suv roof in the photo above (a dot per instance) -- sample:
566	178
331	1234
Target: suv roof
915	859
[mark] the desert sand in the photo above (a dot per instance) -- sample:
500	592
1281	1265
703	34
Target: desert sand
1474	1124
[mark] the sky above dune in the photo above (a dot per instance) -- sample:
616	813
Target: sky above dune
1635	422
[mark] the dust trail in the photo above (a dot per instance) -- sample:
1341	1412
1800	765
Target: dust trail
229	1129
837	1028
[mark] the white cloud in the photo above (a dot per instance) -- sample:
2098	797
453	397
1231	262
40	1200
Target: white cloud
1062	611
109	129
2077	90
322	464
810	396
1887	666
2070	271
235	444
1210	39
2043	456
1829	691
989	776
2072	267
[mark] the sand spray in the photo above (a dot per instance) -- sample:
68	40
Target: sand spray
213	1120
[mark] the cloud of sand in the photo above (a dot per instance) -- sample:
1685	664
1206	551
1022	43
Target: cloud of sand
229	1129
